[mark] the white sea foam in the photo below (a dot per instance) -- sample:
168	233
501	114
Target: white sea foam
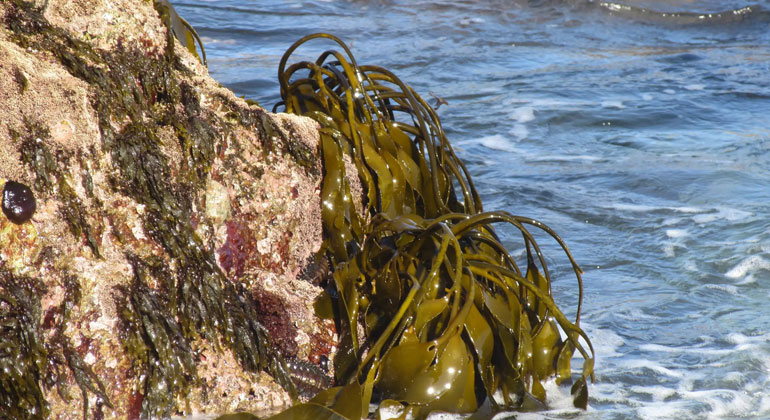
658	393
606	342
728	288
558	401
684	349
440	416
664	410
725	213
671	221
695	86
470	21
564	158
669	250
637	364
748	266
676	233
635	314
647	96
497	142
669	91
548	103
523	114
740	339
520	131
606	392
645	208
691	266
723	402
613	104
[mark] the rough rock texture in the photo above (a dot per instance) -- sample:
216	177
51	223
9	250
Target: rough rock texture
166	268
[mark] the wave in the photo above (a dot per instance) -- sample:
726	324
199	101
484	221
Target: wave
726	17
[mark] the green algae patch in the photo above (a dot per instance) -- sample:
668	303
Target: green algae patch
433	313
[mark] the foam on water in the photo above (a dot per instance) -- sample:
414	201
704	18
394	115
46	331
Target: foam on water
523	114
684	349
564	158
606	342
520	131
676	233
497	142
748	267
613	104
725	213
644	364
727	288
649	209
658	393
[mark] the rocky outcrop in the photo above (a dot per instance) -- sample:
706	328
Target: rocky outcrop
172	261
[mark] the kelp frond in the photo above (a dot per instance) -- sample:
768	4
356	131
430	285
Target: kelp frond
449	320
182	30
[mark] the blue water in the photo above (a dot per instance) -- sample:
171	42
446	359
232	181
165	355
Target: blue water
641	135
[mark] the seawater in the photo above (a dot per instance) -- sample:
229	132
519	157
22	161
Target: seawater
638	130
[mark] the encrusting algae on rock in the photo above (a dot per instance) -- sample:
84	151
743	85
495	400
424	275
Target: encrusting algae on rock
175	263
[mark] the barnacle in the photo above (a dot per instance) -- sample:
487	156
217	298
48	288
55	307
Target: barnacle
450	321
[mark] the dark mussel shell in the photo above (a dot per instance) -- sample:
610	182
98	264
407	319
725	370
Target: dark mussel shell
18	202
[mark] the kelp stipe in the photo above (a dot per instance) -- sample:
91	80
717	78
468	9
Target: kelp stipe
449	320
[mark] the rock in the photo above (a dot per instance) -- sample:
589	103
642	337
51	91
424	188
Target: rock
160	273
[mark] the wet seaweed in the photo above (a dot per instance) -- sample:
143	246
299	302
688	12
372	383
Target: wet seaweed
49	179
450	320
30	363
181	29
23	354
65	354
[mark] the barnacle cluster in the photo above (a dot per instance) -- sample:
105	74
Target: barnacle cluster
433	313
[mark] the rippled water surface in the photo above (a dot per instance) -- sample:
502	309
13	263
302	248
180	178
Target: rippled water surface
640	131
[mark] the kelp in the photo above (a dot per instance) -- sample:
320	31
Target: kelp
182	30
433	313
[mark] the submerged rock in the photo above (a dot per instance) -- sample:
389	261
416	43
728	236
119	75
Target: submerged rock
160	274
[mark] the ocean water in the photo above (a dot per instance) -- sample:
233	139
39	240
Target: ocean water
639	130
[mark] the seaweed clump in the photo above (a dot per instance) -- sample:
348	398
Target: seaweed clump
450	321
29	360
